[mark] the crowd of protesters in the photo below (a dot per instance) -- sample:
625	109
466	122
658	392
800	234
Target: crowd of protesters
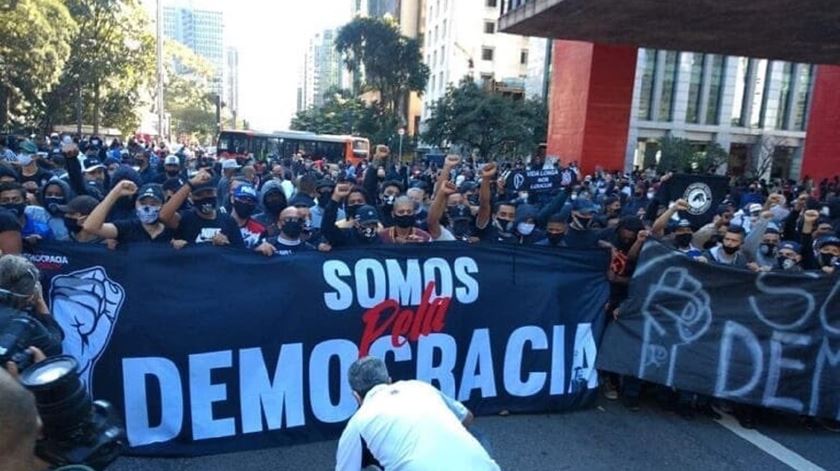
92	192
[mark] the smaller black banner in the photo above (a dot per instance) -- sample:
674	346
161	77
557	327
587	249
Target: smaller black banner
535	181
704	193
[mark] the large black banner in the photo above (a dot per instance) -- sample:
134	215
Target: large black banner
769	339
704	193
209	350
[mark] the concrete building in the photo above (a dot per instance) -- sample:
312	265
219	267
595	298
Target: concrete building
323	69
231	96
462	40
202	31
607	101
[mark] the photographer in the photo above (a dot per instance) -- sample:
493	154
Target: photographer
19	426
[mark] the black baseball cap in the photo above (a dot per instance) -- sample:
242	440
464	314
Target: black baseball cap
367	214
82	204
151	190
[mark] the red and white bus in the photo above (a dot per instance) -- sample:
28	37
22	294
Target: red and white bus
285	144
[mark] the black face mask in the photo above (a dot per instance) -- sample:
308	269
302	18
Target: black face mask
205	205
683	240
53	202
72	225
352	209
172	173
292	229
404	222
388	200
583	223
244	210
473	199
504	225
555	239
15	208
461	228
274	206
324	198
786	263
827	260
730	250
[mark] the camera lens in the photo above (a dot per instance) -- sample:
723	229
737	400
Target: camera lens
62	401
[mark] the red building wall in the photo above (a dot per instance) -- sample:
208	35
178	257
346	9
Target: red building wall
590	105
822	144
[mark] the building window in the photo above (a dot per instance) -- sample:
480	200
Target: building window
487	53
715	88
646	85
759	98
785	96
443	30
442	56
491	3
523	57
669	80
742	77
695	88
486	79
803	96
489	27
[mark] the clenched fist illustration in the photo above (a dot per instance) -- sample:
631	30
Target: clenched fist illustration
86	304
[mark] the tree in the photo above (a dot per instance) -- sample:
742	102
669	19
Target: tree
34	46
681	155
492	124
391	63
187	93
108	67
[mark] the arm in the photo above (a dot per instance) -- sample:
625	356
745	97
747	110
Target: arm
370	183
553	206
169	212
703	235
756	235
95	222
807	240
348	455
438	205
661	222
74	169
329	230
484	196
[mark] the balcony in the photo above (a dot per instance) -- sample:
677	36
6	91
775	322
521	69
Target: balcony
794	30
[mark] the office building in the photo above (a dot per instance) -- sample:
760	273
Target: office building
462	40
323	70
231	96
202	31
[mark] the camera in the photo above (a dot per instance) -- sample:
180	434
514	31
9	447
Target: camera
76	429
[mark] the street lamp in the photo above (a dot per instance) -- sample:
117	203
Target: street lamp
401	132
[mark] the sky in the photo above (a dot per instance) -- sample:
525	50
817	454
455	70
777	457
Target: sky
271	36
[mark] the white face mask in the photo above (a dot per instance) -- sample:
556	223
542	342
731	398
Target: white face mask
525	228
650	195
148	214
825	211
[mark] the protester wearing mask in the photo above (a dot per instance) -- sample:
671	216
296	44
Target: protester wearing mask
728	252
144	169
501	229
355	200
171	169
365	228
525	226
789	257
86	172
450	223
53	195
272	201
404	231
421	210
244	203
762	244
580	233
76	212
325	189
289	239
33	220
144	227
612	213
229	170
391	190
555	231
30	171
203	223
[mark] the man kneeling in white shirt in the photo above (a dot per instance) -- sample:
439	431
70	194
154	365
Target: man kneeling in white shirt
406	426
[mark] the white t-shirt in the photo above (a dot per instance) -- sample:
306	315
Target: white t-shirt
411	426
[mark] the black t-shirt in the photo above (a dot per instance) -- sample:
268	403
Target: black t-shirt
131	230
491	233
197	230
8	222
40	177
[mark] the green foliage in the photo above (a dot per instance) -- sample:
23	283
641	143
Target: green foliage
341	113
187	92
492	124
390	62
35	40
680	155
109	65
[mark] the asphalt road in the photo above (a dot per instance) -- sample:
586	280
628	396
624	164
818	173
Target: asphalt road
608	437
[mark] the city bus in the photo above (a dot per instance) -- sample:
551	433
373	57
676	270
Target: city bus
286	144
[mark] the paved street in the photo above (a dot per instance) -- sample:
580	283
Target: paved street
605	438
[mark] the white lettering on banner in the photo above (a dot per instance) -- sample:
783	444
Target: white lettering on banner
203	393
731	331
278	400
260	396
374	281
515	351
833	358
774	370
138	427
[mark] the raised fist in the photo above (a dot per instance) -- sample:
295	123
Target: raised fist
86	304
489	171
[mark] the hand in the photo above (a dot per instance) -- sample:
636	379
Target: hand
32	239
324	247
666	177
70	149
37	356
752	266
413	239
220	239
828	270
642	236
767	215
448	188
452	160
200	178
266	249
39	304
124	188
178	244
341	191
111	244
681	205
701	259
489	171
775	199
811	216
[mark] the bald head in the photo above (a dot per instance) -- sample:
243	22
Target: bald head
19	424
